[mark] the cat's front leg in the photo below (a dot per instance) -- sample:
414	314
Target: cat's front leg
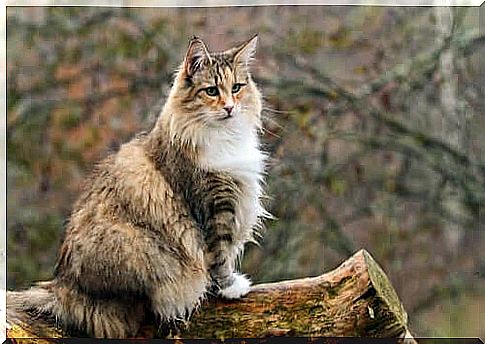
222	253
240	286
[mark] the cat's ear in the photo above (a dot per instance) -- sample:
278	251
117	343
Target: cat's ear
245	52
197	54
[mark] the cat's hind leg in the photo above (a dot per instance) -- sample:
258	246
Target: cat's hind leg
96	317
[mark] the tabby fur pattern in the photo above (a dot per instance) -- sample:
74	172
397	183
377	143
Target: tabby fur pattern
162	222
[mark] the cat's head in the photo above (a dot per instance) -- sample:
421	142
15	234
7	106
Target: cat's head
213	92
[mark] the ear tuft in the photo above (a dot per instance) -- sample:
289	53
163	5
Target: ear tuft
197	54
245	52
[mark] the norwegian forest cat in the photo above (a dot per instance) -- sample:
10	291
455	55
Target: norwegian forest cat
161	223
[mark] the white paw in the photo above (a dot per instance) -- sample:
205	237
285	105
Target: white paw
238	288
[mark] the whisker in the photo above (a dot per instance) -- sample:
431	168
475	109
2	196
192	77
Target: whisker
270	132
273	122
271	110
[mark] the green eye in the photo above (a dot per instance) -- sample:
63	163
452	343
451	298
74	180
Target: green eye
237	87
212	91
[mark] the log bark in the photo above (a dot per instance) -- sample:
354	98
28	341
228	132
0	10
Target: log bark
354	300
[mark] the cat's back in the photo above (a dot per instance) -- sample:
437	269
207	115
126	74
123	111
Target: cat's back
128	186
130	208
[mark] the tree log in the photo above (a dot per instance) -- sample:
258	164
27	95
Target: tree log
354	300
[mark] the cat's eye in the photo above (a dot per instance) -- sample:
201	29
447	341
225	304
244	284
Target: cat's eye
212	91
237	87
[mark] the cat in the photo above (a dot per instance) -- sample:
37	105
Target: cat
162	222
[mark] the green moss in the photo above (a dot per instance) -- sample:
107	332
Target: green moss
384	290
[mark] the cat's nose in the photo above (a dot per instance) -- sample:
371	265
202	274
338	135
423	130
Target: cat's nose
228	109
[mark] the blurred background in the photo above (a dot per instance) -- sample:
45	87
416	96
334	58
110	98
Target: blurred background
374	119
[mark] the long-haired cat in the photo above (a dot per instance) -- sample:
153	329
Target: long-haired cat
164	220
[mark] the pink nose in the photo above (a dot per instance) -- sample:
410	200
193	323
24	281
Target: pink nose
228	109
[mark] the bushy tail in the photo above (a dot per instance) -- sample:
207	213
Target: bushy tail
38	300
72	310
30	311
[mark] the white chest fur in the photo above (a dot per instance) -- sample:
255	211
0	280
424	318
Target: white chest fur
239	155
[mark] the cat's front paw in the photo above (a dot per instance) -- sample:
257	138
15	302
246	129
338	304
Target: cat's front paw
239	287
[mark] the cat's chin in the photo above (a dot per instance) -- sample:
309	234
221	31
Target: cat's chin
239	122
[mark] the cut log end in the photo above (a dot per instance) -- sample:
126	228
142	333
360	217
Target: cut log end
354	300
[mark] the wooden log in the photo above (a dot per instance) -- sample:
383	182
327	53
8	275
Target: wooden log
354	300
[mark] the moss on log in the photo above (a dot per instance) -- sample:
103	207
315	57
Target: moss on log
354	300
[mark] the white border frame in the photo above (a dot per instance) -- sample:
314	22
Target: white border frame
140	3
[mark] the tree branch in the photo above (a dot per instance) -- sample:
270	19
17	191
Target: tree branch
356	299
